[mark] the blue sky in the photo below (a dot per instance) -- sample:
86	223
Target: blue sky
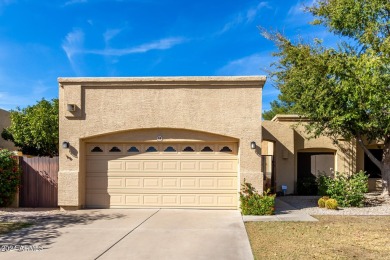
43	40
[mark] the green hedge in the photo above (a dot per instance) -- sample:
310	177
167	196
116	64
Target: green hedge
9	177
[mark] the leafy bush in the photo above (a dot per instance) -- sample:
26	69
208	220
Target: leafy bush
322	201
252	203
347	190
9	177
331	204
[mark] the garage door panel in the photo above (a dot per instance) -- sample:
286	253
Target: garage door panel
116	183
97	165
151	166
152	200
133	166
188	166
133	182
177	201
170	183
132	200
116	165
170	166
100	182
191	179
209	183
151	183
227	166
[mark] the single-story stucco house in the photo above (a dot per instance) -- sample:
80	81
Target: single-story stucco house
174	142
184	142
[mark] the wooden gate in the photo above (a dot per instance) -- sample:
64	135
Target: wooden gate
39	182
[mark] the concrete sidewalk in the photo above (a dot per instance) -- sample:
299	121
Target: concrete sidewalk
283	212
134	234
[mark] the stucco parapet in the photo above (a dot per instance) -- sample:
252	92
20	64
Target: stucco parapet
217	81
288	118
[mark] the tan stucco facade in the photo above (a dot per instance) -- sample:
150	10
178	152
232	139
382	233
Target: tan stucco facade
179	109
289	138
5	121
286	134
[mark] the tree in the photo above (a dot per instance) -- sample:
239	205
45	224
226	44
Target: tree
277	107
35	128
343	91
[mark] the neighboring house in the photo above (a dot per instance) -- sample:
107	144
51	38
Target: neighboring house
177	142
289	157
5	121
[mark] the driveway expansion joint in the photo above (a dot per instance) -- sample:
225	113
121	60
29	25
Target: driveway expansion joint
128	233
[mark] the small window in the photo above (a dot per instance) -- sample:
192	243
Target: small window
96	149
188	149
115	150
151	149
226	149
133	149
170	149
207	149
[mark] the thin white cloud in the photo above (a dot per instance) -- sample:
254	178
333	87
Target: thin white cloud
254	11
72	2
246	16
255	64
73	43
296	15
109	34
162	44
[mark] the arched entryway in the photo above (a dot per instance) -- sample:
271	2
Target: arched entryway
310	164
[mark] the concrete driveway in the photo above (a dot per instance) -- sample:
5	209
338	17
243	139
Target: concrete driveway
134	234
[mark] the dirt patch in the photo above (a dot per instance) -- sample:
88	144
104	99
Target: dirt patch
332	237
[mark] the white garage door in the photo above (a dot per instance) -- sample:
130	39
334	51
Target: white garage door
193	175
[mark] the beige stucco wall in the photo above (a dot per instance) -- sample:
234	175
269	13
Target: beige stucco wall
5	121
225	106
290	138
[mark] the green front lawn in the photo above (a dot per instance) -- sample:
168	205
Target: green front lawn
332	237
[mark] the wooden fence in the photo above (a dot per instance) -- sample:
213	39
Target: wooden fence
39	182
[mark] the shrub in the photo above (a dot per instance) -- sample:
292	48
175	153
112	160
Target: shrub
322	201
253	203
347	190
331	204
9	177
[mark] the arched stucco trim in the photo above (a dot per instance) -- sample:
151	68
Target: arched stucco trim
167	134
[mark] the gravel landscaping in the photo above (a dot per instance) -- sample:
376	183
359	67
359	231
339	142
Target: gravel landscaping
375	206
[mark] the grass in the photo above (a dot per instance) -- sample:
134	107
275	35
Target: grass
332	237
6	227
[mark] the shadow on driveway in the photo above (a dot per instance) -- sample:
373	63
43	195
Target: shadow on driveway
46	228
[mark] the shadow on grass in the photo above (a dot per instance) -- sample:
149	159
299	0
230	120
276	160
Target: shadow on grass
44	229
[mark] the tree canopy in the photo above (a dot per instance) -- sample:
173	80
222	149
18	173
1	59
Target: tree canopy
344	90
34	129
